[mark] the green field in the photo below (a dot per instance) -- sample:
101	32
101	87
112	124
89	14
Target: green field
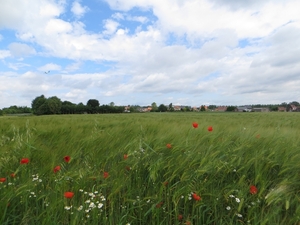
151	168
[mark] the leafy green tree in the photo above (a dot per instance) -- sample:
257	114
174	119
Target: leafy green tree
1	112
154	107
202	108
171	108
68	108
93	103
17	109
162	108
81	108
134	108
294	103
274	108
231	108
37	103
186	109
212	107
93	106
54	105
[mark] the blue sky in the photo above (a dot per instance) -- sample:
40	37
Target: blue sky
135	52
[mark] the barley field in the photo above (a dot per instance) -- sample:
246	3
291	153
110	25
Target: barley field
151	168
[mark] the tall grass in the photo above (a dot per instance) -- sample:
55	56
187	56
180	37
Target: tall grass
146	182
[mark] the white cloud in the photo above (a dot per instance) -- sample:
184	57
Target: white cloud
50	67
4	54
110	26
73	67
78	10
21	50
203	17
192	50
57	26
17	66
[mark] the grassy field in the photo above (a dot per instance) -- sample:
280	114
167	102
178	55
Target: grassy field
152	168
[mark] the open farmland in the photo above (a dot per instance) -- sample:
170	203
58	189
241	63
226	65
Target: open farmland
152	168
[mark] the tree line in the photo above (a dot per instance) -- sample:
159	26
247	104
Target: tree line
53	105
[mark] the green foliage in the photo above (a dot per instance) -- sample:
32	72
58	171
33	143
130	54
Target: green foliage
17	110
212	107
162	108
202	108
54	105
38	103
231	108
93	103
171	108
153	183
154	107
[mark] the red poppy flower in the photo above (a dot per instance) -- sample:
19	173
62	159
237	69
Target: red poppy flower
69	194
195	125
159	205
196	197
12	175
125	156
210	128
187	223
105	175
253	190
2	179
127	168
165	183
180	217
67	158
169	146
56	169
24	161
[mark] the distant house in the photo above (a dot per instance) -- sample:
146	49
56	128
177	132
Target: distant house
195	109
294	108
244	108
145	109
127	109
261	109
281	109
221	108
177	108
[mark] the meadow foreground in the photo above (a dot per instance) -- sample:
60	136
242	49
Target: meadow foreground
153	168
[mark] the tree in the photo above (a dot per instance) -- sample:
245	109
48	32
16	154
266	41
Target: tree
93	103
284	104
81	108
154	107
171	108
231	108
54	105
162	108
186	109
1	112
202	108
294	103
274	108
112	104
212	107
37	103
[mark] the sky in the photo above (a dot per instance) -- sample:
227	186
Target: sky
136	52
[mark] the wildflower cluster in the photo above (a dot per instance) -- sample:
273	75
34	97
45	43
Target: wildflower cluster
91	201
